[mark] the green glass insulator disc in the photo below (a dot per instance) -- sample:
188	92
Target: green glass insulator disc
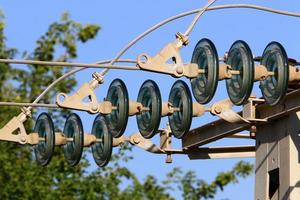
45	129
73	129
180	98
102	149
274	87
239	86
148	120
206	57
118	96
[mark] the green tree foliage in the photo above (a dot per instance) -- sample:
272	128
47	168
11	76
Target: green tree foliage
22	178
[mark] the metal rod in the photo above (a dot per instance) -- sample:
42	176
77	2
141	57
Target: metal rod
145	109
67	64
235	72
201	71
98	140
176	109
271	73
218	149
28	104
69	139
240	136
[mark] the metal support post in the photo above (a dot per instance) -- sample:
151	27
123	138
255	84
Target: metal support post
277	159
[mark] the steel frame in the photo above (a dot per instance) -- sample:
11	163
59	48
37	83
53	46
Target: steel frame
277	144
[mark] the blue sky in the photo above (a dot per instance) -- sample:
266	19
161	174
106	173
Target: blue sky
121	21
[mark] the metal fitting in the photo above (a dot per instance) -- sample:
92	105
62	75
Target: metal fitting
183	38
218	110
98	77
26	111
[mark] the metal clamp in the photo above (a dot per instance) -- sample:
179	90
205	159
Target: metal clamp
76	101
159	63
223	109
14	131
138	140
135	108
294	74
183	38
249	109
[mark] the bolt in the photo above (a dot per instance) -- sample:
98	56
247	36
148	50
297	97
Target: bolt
252	135
218	110
26	111
253	131
98	77
169	158
225	57
23	139
183	38
136	140
179	70
94	108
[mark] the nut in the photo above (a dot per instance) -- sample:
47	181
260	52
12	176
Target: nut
136	140
98	77
218	110
183	38
179	70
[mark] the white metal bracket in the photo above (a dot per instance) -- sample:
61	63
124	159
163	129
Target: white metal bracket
249	109
14	130
85	92
223	109
168	61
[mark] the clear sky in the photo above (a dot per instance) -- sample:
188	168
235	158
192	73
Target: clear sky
121	21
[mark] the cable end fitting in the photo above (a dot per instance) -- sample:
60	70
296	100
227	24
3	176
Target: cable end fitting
98	77
183	38
26	112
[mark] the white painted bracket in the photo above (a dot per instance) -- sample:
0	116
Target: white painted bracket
14	131
76	101
168	61
249	110
223	109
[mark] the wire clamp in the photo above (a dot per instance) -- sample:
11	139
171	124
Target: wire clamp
84	99
168	61
183	38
